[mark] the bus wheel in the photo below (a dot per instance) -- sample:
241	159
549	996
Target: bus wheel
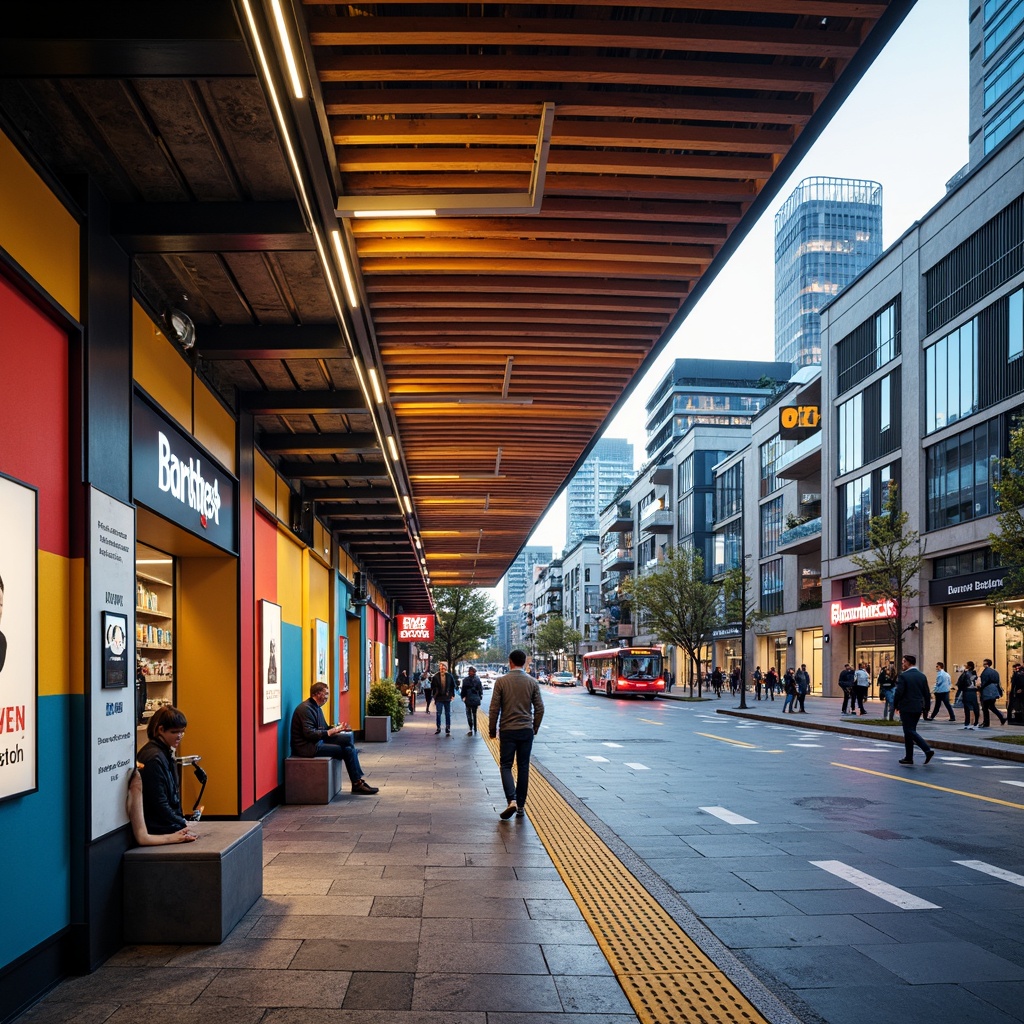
649	696
608	689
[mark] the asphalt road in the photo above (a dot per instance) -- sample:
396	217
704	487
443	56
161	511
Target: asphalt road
857	889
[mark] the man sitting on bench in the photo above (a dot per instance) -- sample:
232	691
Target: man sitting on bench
311	737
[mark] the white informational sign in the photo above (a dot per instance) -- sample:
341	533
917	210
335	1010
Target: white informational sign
19	722
270	660
110	688
319	651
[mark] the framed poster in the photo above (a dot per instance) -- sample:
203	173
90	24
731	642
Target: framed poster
270	660
343	662
19	638
319	651
115	651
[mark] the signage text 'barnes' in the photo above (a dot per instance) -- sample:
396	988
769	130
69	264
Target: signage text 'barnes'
186	482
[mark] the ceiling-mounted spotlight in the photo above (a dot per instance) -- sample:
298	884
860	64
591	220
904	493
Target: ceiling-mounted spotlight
181	328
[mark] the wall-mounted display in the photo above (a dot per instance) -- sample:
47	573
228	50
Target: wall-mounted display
343	662
115	651
319	651
270	661
18	639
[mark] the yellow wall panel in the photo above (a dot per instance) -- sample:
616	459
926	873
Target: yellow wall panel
266	483
37	230
284	501
289	578
215	427
160	370
55	631
206	673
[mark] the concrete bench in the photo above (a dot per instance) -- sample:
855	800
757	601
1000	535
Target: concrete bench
193	892
311	780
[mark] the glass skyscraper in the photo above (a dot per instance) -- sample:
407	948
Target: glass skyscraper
826	233
997	75
608	468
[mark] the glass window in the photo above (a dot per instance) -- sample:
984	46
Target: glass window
885	336
1007	122
1003	27
771	587
686	475
885	403
854	514
1005	74
686	515
851	434
960	474
771	526
770	453
951	377
1016	326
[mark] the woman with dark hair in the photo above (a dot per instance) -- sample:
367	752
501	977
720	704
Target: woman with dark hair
138	821
161	793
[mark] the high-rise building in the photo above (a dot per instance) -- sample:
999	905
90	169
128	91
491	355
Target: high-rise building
713	392
826	233
607	469
996	74
520	573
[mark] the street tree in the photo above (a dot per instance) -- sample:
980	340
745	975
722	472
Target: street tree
890	566
555	635
464	618
1008	543
678	605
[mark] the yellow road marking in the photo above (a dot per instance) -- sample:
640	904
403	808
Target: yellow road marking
929	785
650	721
723	739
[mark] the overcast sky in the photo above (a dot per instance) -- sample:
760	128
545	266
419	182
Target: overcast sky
904	125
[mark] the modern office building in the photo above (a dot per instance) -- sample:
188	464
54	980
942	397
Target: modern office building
716	392
996	73
581	589
826	233
516	583
607	469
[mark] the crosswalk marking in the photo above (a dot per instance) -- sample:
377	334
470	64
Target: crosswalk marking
609	744
597	757
803	744
637	766
875	886
1011	782
991	869
729	817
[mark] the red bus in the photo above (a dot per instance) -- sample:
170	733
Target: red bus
625	670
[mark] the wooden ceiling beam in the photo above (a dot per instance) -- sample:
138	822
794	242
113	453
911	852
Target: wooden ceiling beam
638	267
437	320
633	163
318	443
569	102
388	305
867	9
334	471
653	34
596	330
272	341
612	287
554	70
283	403
348	494
422	131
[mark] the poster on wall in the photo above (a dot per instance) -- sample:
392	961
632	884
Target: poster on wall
111	704
270	661
319	651
343	662
18	639
115	651
369	676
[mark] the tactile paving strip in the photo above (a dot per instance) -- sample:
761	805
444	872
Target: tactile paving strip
664	974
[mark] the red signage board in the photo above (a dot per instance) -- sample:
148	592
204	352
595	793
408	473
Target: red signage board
859	609
415	627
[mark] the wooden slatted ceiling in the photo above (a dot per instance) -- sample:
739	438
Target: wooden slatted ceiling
669	120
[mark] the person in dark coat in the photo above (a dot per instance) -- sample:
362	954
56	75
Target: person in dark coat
847	684
161	792
443	687
1015	705
911	698
472	695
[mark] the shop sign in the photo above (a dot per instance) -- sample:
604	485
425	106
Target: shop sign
111	698
798	422
856	609
972	587
415	627
173	476
729	632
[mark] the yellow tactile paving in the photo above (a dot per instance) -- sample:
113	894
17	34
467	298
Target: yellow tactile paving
664	974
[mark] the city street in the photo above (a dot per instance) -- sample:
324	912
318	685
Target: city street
855	888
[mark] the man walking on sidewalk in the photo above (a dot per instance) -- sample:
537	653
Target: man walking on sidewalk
516	705
911	699
943	684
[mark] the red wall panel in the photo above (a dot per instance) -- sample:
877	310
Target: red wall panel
34	411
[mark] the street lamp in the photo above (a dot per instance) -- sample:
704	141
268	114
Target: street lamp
743	622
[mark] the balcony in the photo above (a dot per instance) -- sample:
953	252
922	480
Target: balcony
662	473
617	559
801	539
802	461
658	520
617	517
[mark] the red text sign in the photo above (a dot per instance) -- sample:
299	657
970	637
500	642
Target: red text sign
415	627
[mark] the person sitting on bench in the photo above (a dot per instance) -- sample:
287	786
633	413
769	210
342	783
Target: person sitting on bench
138	820
311	737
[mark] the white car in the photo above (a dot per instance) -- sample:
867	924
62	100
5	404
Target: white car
562	679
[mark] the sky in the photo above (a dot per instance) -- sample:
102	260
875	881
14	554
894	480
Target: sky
904	125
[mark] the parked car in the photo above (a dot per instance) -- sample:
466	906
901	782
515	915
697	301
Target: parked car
562	679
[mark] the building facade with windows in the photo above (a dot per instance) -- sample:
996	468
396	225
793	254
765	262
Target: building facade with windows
925	379
607	469
997	74
517	581
581	592
826	233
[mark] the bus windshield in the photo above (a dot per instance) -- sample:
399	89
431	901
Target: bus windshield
646	667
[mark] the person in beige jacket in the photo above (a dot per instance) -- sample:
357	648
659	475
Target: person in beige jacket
517	706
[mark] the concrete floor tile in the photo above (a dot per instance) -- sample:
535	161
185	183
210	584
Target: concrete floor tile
397	906
587	994
157	985
274	988
554	910
483	907
565	958
343	954
490	992
377	929
487	958
379	991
